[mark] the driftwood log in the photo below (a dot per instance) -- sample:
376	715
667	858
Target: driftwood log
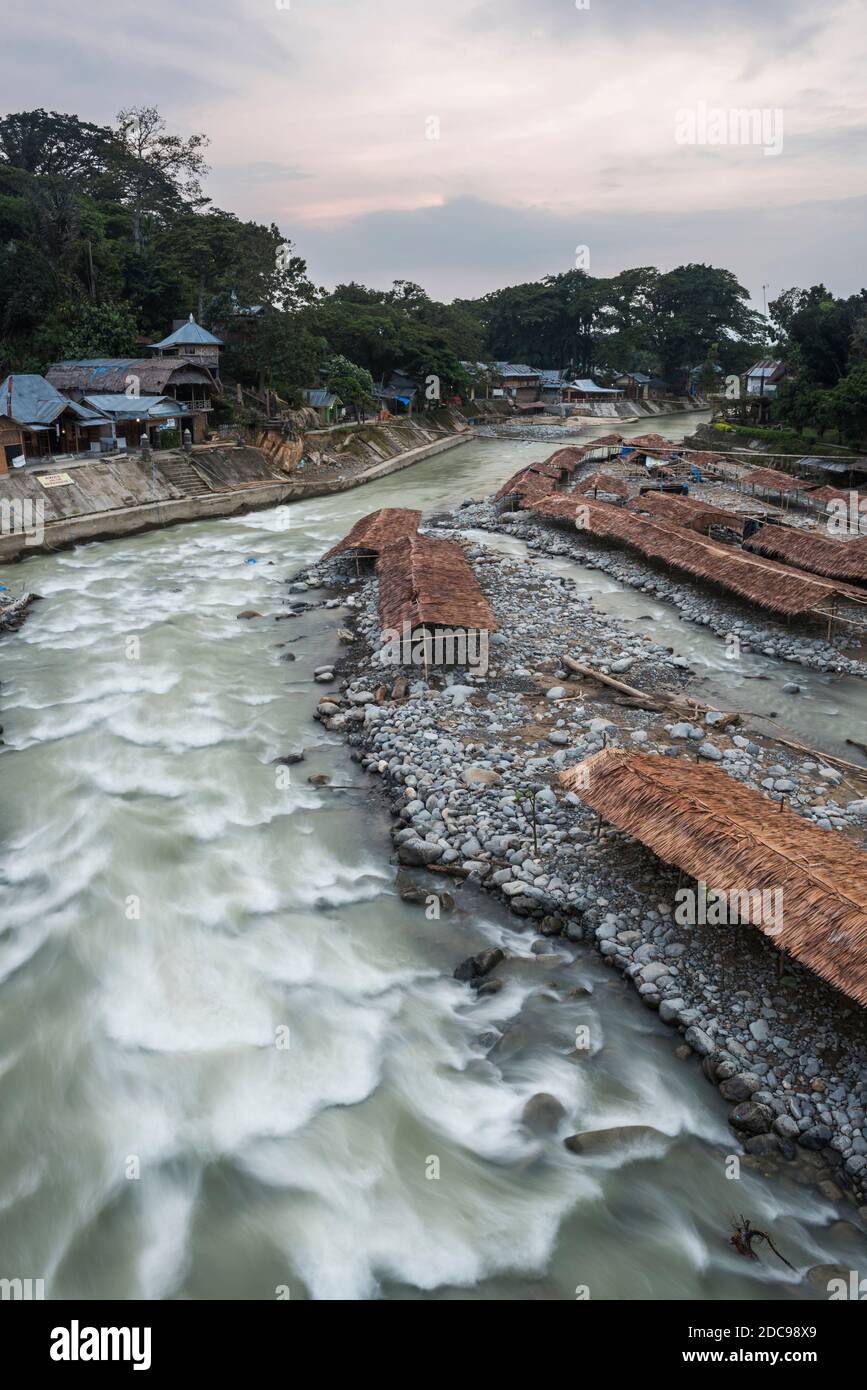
662	701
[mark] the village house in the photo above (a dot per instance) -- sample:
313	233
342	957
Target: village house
763	378
328	407
185	368
586	390
639	386
37	422
194	343
399	394
516	381
131	418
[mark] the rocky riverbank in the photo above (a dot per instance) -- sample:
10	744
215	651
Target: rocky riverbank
726	618
13	611
460	754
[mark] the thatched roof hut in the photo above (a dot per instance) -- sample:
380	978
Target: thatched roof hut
835	559
690	512
767	583
375	530
772	480
430	583
537	480
735	840
704	458
566	459
652	443
824	495
603	482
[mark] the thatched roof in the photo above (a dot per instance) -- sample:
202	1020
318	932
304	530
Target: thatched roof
654	443
566	459
603	482
733	839
772	480
766	583
425	582
537	480
377	529
604	439
836	559
686	511
704	458
108	375
829	494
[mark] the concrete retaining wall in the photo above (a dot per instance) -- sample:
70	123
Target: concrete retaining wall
126	521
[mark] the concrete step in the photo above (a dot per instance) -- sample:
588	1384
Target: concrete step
183	476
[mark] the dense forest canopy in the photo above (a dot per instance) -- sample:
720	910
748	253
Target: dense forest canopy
106	238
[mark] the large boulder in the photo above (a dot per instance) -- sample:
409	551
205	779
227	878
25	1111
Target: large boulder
542	1113
476	967
474	777
751	1118
617	1139
741	1086
418	851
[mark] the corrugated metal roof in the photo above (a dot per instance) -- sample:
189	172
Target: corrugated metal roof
319	398
34	400
585	384
516	369
764	366
190	334
136	407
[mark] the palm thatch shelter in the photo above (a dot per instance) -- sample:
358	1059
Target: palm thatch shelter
430	583
537	480
835	559
567	459
603	482
767	583
690	512
377	529
736	841
772	480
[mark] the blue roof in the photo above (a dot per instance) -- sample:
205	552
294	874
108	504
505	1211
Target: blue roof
590	387
136	407
189	334
34	400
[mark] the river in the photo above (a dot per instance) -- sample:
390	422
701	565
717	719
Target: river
233	1064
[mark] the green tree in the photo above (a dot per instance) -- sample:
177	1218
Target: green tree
97	330
158	172
848	403
351	383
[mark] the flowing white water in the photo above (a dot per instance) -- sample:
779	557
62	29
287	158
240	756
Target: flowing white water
172	914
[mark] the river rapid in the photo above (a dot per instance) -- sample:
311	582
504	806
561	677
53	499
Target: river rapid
233	1063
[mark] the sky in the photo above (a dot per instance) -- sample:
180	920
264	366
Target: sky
472	144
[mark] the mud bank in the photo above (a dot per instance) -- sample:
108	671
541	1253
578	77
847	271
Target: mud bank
456	755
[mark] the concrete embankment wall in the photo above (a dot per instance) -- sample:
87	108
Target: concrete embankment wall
91	509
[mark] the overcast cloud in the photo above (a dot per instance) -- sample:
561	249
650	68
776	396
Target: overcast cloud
554	127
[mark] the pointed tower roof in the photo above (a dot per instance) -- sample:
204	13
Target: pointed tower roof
189	334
